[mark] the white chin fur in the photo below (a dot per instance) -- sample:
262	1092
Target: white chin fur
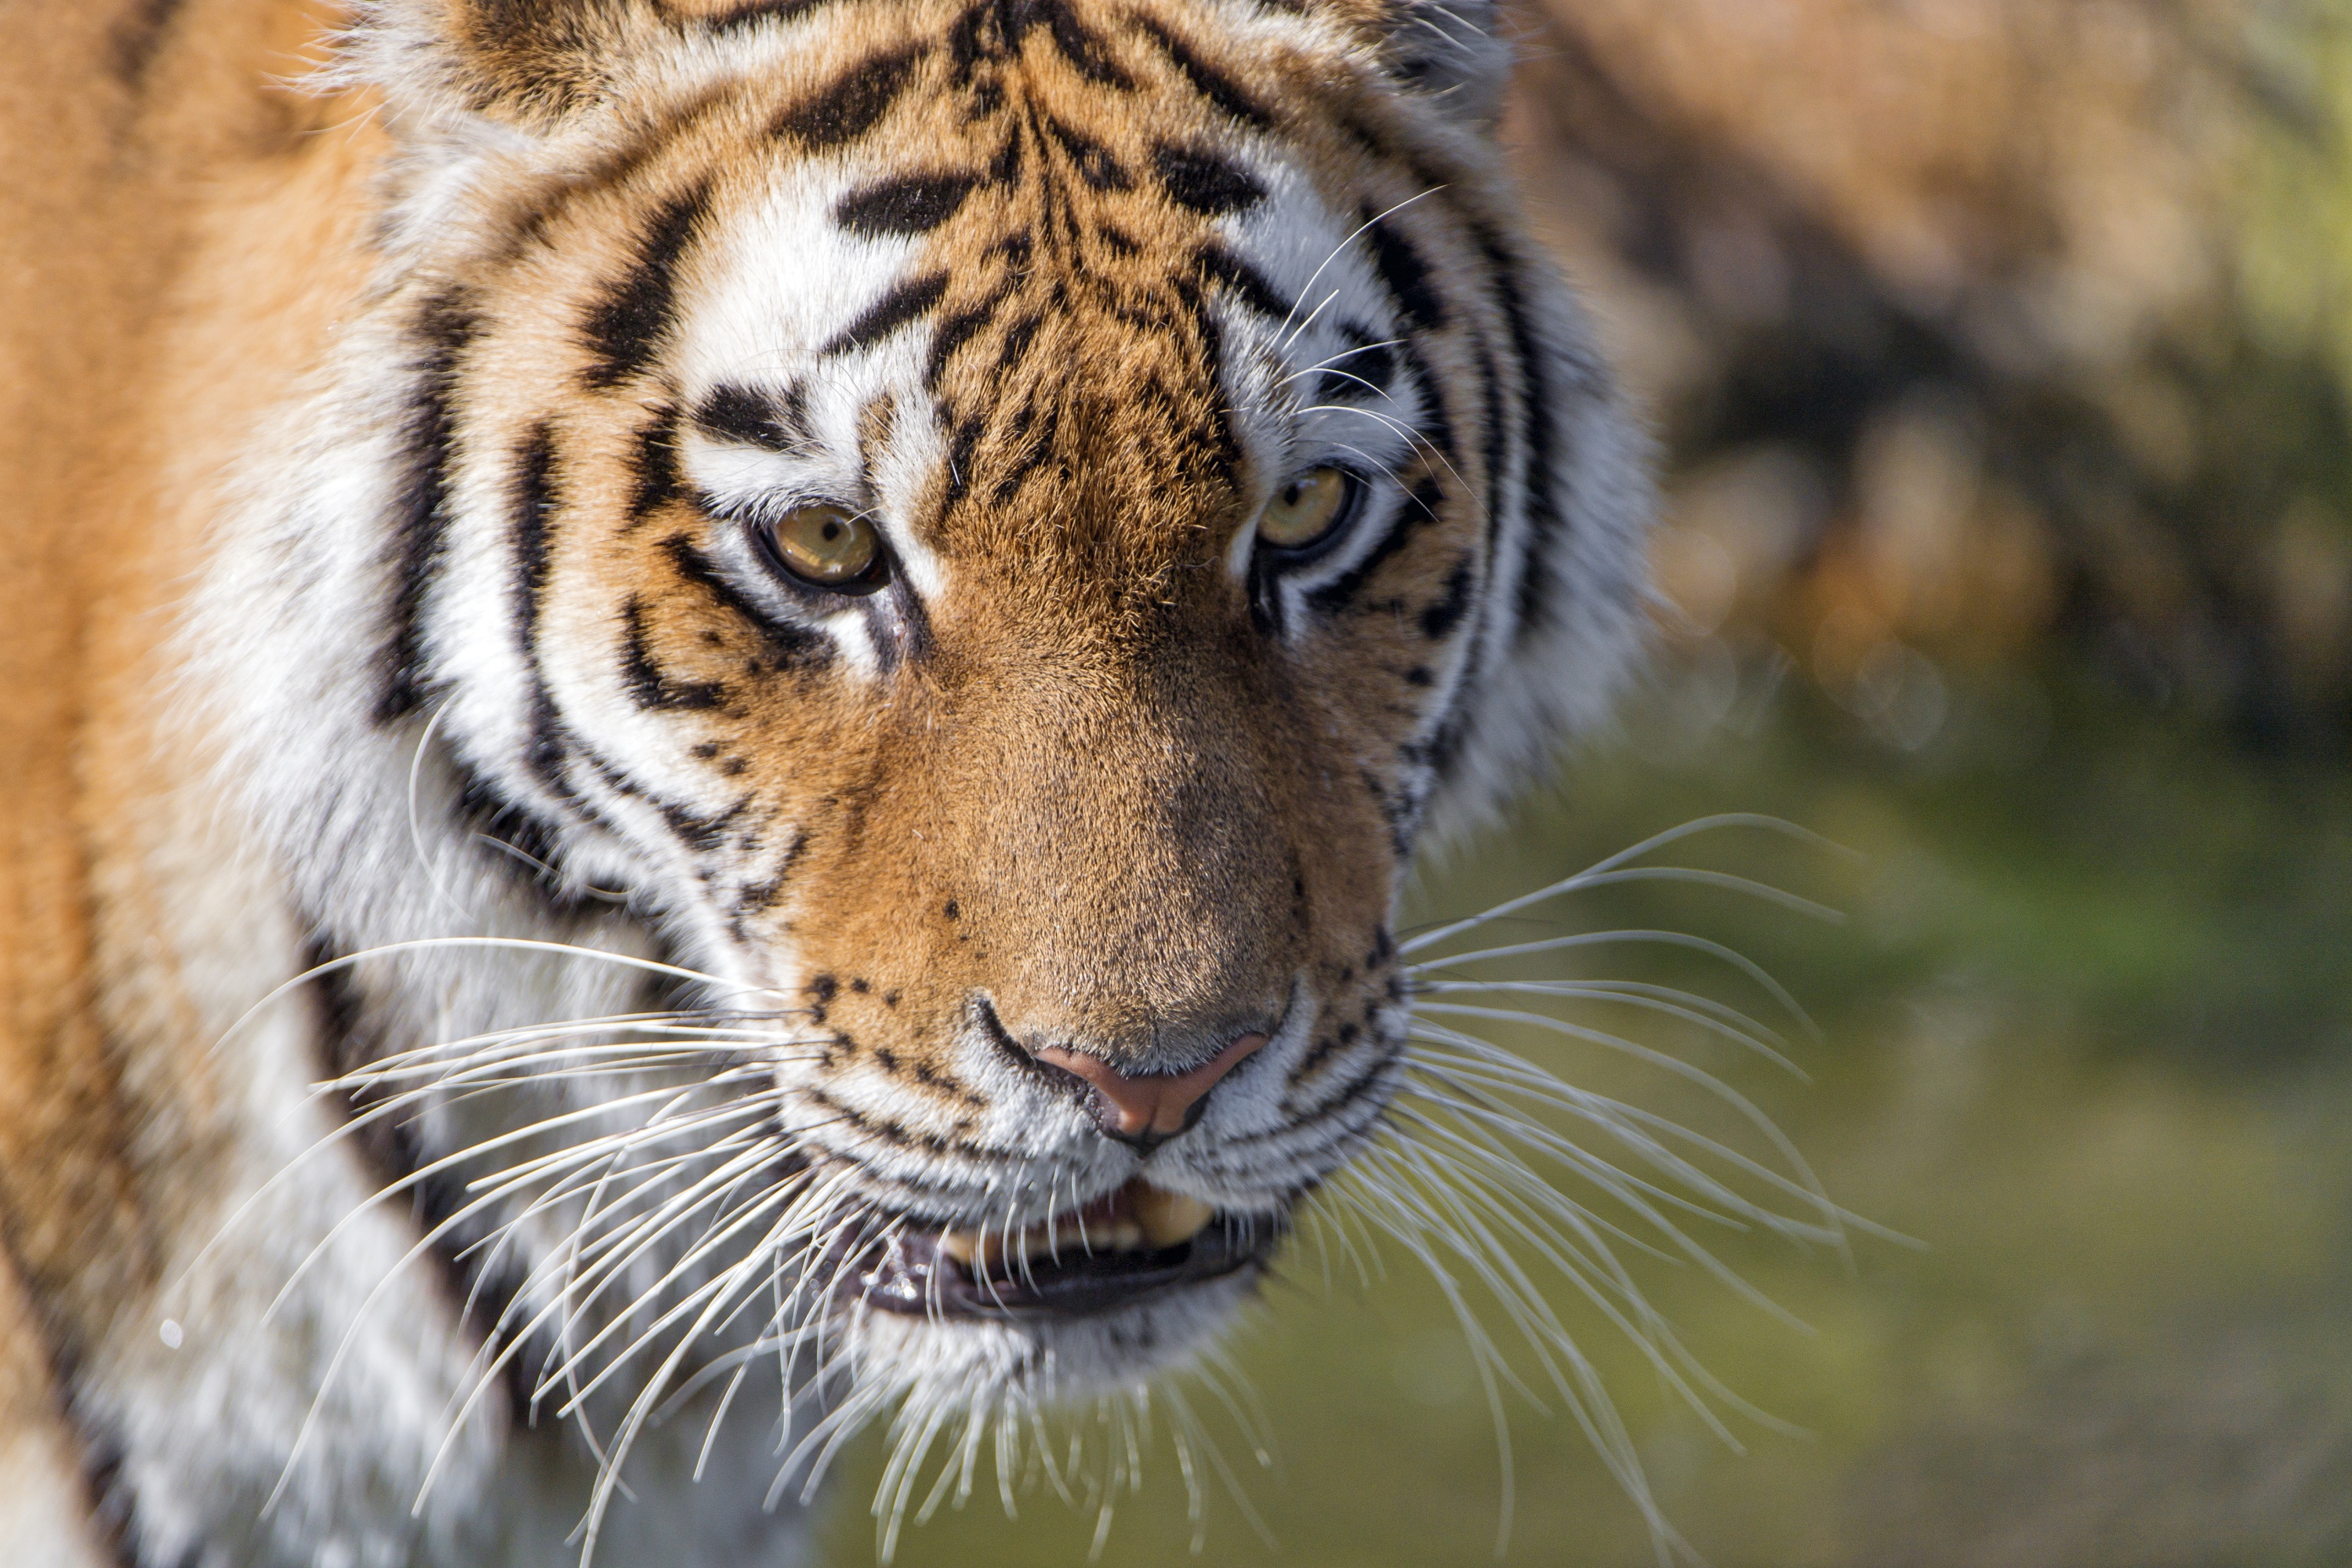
977	1363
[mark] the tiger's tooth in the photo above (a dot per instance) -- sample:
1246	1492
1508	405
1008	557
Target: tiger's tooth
1167	1218
963	1246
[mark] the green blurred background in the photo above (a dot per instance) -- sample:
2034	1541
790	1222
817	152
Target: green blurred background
2000	349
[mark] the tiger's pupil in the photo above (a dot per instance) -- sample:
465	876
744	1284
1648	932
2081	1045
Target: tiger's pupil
1306	510
825	545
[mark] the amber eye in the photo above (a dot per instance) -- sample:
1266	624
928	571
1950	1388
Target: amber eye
1308	510
827	547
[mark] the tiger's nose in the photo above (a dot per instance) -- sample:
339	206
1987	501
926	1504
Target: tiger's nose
1146	1111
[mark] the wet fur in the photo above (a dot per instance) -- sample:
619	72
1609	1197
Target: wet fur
374	439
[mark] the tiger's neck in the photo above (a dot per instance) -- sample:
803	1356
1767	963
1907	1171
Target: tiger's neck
248	820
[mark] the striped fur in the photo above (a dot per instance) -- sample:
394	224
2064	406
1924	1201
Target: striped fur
456	624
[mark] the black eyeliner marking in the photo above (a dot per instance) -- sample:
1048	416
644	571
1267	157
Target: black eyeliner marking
1337	593
626	330
790	642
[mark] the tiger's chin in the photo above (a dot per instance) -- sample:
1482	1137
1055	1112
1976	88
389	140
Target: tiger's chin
1132	1284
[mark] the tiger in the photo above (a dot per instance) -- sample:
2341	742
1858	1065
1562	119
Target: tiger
715	712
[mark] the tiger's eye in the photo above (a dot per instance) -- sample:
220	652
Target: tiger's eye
825	546
1307	509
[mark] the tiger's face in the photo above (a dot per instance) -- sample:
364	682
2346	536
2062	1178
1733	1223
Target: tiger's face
992	525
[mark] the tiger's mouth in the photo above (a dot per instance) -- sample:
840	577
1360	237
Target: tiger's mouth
1122	1248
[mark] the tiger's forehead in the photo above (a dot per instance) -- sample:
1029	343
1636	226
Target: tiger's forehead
1027	284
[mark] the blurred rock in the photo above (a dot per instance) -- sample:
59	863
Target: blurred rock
1985	323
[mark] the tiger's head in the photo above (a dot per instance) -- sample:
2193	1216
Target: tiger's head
994	526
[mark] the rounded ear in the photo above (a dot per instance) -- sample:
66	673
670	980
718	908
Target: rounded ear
1456	50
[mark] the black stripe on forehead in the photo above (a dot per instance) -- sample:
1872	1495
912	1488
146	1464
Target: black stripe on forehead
909	204
1406	275
626	331
908	300
852	103
958	329
446	325
752	12
751	417
1080	47
1207	183
1366	370
1207	81
1243	283
656	466
1090	158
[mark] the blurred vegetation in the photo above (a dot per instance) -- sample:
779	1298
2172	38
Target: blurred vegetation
2002	350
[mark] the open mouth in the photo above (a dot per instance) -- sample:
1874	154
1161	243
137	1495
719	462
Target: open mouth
1128	1245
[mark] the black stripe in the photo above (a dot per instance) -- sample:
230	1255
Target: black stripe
485	809
698	830
1366	370
791	644
1092	160
446	325
963	440
1539	486
852	103
1243	283
909	302
650	686
1209	83
138	37
911	204
656	466
1341	590
1206	182
534	501
1439	620
1080	47
626	330
755	11
749	415
1436	423
1014	346
1406	275
953	332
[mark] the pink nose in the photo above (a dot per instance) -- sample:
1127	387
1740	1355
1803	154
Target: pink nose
1149	1108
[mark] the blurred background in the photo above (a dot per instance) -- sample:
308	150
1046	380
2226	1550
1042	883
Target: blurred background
2000	349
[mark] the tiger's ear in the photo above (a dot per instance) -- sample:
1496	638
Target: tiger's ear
1456	50
523	65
